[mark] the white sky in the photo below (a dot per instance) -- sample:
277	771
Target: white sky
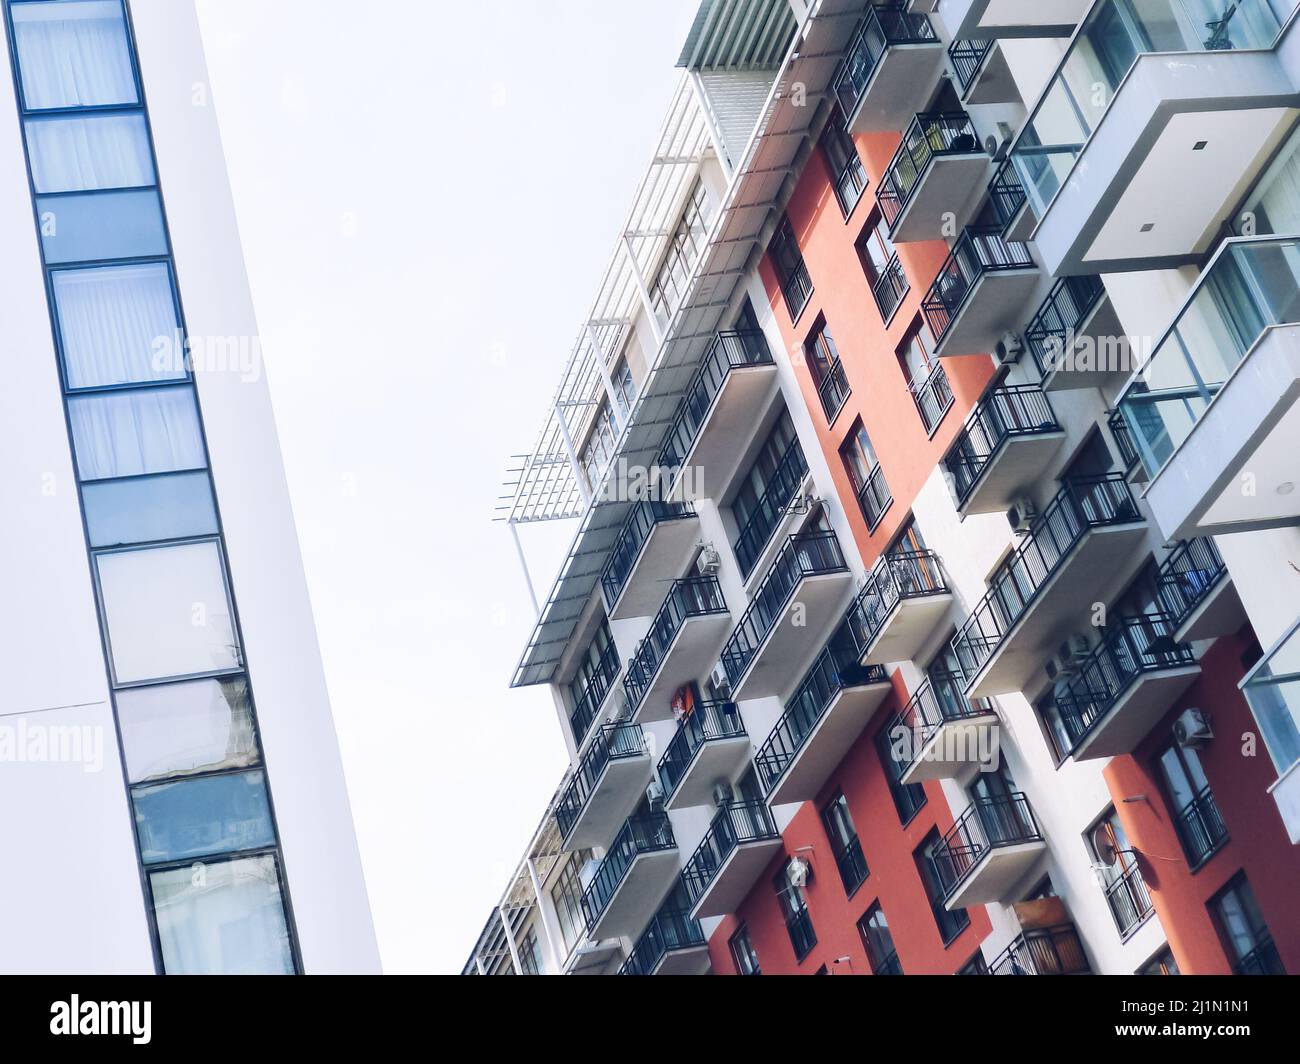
420	184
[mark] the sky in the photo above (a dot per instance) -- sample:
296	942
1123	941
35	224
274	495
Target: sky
428	194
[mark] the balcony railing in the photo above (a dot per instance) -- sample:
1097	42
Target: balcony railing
709	721
614	742
927	137
1111	38
1043	951
967	59
882	28
593	695
850	183
852	865
933	397
1082	505
1127	896
637	529
980	250
890	288
1050	334
834	390
1007	194
896	577
1200	828
1249	286
668	931
772	508
730	350
1004	414
1188	576
639	835
1130	647
938	701
874	497
836	668
698	596
1262	960
807	554
735	824
989	823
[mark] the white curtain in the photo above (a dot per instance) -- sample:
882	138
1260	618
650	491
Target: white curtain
124	434
77	154
73	54
118	325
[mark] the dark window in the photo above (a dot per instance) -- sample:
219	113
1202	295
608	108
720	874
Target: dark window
1195	812
908	797
688	240
1121	878
1246	936
879	943
742	952
1162	963
847	173
881	264
977	965
826	370
950	924
794	907
865	474
925	376
845	844
791	273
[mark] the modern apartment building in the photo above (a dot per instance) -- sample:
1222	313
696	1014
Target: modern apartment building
961	630
175	797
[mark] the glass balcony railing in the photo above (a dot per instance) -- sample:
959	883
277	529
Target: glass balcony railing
1250	285
632	538
890	288
1188	576
980	250
699	596
730	350
639	835
883	26
804	555
928	136
593	696
1128	454
933	397
898	576
1273	690
708	722
834	390
1082	504
1043	951
1113	35
1051	332
735	824
669	930
614	742
1007	194
967	60
988	824
1130	647
1008	413
782	489
939	700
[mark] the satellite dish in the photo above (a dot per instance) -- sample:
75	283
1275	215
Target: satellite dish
1104	845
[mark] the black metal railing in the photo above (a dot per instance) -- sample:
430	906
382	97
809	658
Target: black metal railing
668	932
850	182
639	835
881	28
1082	504
699	596
1007	194
803	937
940	699
978	251
933	397
614	742
989	823
1119	430
735	824
1129	648
891	965
1200	828
890	288
1043	951
834	390
807	554
771	508
967	58
852	865
593	695
1188	576
1127	896
874	497
898	576
1051	331
1004	414
632	538
730	350
927	137
707	722
1262	960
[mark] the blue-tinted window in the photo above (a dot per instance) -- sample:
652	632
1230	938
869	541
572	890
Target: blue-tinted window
97	226
198	817
131	433
149	509
78	153
73	53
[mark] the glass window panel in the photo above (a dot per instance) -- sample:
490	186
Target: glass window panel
118	325
222	918
89	152
167	612
74	53
120	513
187	728
198	817
95	226
127	434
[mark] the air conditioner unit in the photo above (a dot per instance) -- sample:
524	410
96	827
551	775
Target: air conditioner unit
1022	515
1192	728
710	561
1010	348
720	680
798	872
998	144
723	794
655	793
1069	657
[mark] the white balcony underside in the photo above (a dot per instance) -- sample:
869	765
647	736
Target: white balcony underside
992	879
592	958
993	83
1018	463
664	557
994	306
612	800
952	752
898	87
736	878
717	759
983	19
690	960
725	433
1136	712
1221	613
691	655
636	898
1227	474
944	186
1101	354
908	627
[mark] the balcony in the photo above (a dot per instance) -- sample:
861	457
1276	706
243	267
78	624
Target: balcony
988	851
905	596
1043	951
636	872
979	293
1010	204
656	538
792	609
983	75
1082	549
672	944
711	744
826	713
891	66
1114	696
713	424
1076	338
738	847
682	643
1003	449
933	172
606	787
772	510
1127	117
1217	404
1013	18
1198	594
940	733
